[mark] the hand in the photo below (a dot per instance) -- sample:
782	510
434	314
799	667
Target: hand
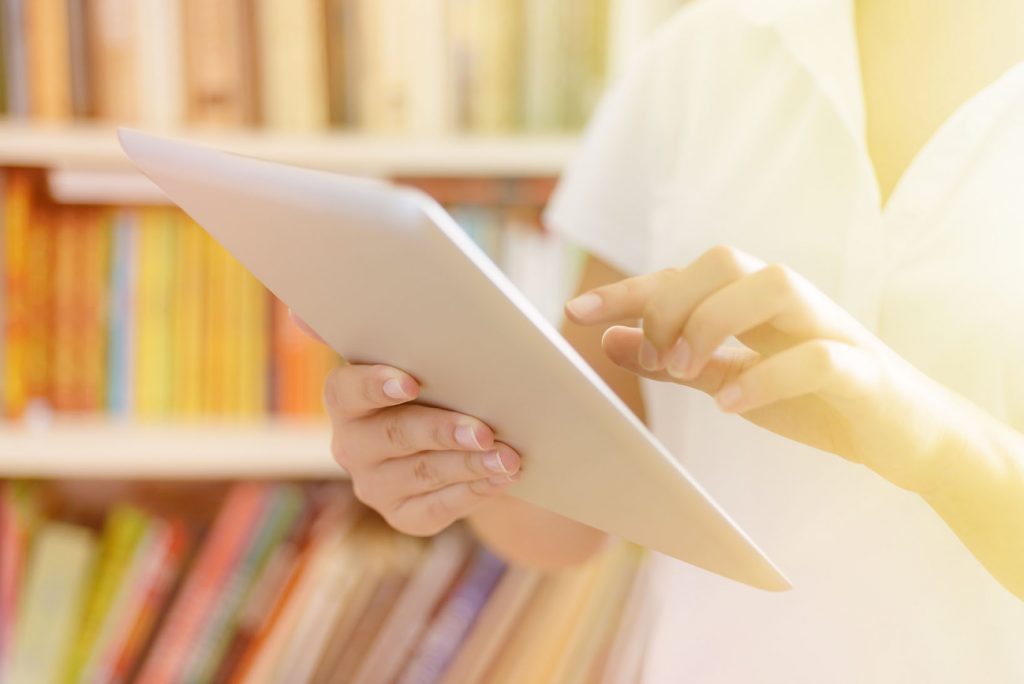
805	369
421	468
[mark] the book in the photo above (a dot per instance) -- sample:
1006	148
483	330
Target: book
80	85
592	628
124	530
219	63
55	585
148	581
493	627
282	508
160	55
195	603
113	40
19	511
449	627
333	520
293	60
340	666
411	613
48	59
16	59
544	628
122	307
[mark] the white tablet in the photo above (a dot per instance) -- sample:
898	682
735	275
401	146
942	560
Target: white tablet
385	275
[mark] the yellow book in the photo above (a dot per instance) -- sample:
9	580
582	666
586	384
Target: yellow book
496	76
51	606
293	59
66	285
213	315
145	392
233	317
594	625
124	529
546	626
190	307
254	346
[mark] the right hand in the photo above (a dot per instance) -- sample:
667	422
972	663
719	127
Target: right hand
421	468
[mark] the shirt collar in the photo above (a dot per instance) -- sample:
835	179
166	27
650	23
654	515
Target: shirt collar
821	37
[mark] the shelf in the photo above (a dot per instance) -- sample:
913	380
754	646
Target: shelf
95	148
111	450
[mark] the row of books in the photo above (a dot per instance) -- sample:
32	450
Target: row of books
295	584
137	312
411	66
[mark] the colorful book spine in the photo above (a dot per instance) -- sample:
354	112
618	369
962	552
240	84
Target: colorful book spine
196	600
49	612
453	622
282	511
124	530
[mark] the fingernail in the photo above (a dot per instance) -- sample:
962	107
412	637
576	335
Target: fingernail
678	359
649	358
502	480
729	397
393	388
500	463
465	435
584	305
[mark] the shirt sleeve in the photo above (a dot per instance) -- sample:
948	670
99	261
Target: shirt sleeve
604	200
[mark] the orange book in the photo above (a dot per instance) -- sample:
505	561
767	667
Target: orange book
219	62
338	516
38	303
49	59
16	235
155	589
97	235
112	26
66	284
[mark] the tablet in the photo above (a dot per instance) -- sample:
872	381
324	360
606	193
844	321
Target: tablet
385	275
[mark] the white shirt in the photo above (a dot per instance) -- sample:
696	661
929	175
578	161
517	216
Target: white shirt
742	123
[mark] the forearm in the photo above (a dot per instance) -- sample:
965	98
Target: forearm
528	535
981	494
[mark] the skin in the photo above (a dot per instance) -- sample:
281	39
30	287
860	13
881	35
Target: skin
807	370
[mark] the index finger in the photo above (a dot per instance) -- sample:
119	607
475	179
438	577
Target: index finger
630	298
352	390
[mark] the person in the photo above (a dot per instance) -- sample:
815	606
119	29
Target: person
876	149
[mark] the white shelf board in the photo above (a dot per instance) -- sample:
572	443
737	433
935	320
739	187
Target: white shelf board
95	148
112	450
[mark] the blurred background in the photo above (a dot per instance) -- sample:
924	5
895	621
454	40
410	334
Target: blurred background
158	404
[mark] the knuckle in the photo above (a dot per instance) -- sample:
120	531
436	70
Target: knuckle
472	462
439	511
782	278
395	432
441	433
369	389
824	356
479	488
423	471
724	256
705	323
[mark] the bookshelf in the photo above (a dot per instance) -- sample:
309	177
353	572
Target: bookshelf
94	147
477	102
111	450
